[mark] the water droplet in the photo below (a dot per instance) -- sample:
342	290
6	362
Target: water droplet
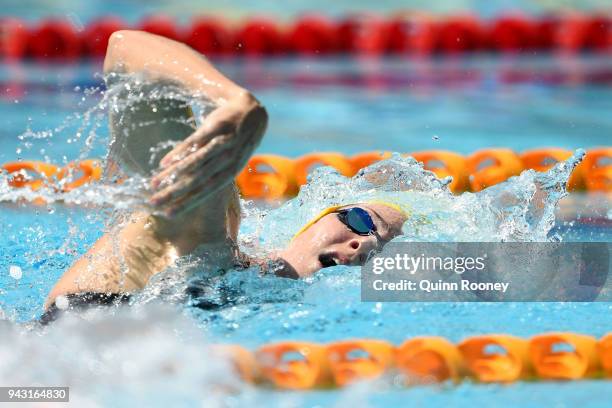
15	272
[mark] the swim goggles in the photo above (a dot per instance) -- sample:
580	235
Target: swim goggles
357	220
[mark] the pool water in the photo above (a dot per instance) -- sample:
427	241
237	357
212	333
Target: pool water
348	106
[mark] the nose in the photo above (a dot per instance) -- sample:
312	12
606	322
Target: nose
358	249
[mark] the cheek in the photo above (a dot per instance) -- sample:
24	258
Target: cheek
327	232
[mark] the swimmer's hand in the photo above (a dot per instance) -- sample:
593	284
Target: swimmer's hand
211	157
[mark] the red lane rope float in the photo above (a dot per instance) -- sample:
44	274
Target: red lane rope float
414	33
14	37
365	34
55	39
96	35
209	36
312	35
489	358
259	37
160	25
359	34
513	34
276	177
577	32
462	34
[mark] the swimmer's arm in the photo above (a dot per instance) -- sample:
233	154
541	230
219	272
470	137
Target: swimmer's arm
202	205
209	159
160	58
121	261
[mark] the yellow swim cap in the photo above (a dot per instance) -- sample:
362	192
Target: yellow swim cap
322	214
335	208
396	207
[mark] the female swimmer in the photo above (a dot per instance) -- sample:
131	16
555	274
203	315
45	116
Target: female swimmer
194	196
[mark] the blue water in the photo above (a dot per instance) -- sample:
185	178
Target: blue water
346	106
352	106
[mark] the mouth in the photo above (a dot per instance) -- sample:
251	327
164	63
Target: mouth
327	260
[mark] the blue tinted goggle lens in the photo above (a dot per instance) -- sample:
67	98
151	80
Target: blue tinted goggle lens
358	220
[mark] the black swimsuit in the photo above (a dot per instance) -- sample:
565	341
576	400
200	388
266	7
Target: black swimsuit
83	301
203	293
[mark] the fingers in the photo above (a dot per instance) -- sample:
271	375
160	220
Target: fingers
185	198
190	176
201	160
218	122
186	147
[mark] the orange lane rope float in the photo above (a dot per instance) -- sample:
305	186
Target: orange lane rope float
269	176
565	356
358	360
274	177
36	175
31	174
496	358
544	159
488	167
446	164
429	359
598	169
493	358
294	365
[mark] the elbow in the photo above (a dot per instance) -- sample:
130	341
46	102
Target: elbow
264	117
257	107
120	44
115	50
252	107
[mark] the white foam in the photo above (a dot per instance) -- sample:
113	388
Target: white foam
62	302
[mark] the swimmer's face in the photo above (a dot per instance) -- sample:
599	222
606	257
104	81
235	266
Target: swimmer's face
329	242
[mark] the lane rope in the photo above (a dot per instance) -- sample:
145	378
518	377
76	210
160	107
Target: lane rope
489	358
274	177
316	35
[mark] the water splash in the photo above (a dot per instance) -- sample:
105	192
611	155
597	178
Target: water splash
156	350
105	355
138	107
520	209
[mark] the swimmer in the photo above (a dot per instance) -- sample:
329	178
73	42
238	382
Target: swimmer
194	197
